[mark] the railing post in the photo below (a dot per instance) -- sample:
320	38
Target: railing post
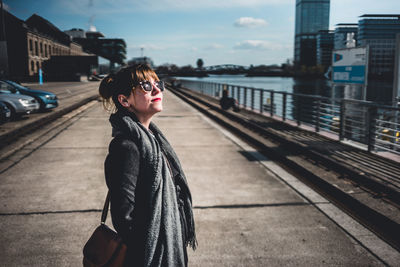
214	89
233	91
252	98
342	117
245	97
261	100
272	104
238	94
317	115
284	100
298	110
372	113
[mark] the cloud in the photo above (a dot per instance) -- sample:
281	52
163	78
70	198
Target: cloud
258	45
6	7
247	22
213	46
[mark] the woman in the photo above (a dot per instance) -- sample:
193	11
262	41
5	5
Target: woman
151	204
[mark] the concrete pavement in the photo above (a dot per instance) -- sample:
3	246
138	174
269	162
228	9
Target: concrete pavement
245	216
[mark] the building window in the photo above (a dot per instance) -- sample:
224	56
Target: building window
41	49
45	50
36	48
37	66
30	46
32	66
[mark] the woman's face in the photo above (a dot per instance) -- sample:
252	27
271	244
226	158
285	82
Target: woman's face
144	103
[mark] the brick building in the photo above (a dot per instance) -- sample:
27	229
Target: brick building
32	42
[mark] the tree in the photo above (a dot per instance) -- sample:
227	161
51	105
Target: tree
200	63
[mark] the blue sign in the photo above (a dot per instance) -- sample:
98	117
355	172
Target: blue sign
348	74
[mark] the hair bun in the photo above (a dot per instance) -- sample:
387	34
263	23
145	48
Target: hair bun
106	87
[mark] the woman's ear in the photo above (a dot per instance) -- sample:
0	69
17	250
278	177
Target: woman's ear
123	100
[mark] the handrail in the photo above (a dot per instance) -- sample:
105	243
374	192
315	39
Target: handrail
358	120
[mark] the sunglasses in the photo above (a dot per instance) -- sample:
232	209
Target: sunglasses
148	86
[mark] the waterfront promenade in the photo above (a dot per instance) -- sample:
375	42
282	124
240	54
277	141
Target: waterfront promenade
248	211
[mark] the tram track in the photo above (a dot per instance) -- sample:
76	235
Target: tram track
333	171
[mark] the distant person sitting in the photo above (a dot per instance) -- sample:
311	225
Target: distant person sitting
227	102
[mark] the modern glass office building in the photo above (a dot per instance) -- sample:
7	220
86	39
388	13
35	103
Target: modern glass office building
379	33
342	32
325	40
311	17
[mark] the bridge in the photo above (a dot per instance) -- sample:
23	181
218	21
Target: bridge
225	67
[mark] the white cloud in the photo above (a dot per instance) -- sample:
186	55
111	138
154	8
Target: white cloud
248	22
258	45
213	46
6	7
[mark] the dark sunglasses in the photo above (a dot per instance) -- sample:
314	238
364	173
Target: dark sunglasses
148	86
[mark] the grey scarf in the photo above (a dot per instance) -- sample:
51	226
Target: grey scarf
170	226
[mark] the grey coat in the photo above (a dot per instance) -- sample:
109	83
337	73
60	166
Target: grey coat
151	205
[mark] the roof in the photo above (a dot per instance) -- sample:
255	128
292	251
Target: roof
347	24
380	16
43	26
94	34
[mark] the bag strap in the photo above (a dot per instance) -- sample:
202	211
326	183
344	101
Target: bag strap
105	208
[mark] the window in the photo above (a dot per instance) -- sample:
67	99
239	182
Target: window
6	88
30	46
45	50
37	66
36	48
41	49
32	66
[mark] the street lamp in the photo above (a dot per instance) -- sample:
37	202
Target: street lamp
3	45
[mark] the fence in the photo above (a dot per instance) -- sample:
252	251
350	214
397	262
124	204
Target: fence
374	125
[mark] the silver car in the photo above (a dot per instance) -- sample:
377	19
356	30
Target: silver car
19	104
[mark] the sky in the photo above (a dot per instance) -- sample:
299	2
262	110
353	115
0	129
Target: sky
241	32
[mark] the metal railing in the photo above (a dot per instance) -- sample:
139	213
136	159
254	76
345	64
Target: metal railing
365	122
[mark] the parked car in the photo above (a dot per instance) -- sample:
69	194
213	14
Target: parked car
46	99
18	104
5	112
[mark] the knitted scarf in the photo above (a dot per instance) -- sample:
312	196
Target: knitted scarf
170	225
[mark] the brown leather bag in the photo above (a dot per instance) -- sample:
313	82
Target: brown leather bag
104	247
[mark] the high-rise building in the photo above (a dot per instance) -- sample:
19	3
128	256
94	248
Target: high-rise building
311	17
344	33
325	40
113	49
379	33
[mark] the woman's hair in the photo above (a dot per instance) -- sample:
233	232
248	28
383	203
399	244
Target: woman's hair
122	83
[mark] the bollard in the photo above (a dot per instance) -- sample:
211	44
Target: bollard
40	76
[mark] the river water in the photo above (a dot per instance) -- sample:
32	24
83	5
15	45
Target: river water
380	92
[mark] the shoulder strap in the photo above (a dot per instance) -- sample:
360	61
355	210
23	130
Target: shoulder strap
105	208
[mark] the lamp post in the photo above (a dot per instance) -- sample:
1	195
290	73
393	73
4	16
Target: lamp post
3	45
